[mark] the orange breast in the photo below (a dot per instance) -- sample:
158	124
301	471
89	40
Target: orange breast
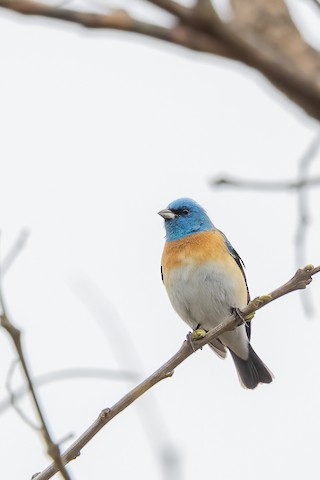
199	248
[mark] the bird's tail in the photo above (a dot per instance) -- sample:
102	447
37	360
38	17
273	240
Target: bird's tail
251	371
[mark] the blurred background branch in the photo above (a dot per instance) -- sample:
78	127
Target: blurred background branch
265	185
260	34
67	374
300	187
122	345
13	399
14	251
304	216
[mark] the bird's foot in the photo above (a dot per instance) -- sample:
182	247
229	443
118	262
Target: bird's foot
250	316
244	320
197	334
262	300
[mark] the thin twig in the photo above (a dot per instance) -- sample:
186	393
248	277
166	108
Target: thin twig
117	20
14	251
173	7
300	280
15	335
52	448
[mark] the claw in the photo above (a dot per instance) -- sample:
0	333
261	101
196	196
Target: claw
190	341
238	313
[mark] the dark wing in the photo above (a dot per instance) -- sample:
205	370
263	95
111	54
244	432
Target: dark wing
161	273
241	265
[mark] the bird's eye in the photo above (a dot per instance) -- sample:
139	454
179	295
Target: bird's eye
185	211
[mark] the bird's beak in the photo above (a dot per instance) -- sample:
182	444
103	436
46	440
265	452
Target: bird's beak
167	214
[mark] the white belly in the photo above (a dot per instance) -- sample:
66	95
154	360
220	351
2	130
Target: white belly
205	296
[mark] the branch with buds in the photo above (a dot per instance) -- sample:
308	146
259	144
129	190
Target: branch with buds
301	279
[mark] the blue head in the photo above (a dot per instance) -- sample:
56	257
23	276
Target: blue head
185	217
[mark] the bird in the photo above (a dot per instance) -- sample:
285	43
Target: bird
205	280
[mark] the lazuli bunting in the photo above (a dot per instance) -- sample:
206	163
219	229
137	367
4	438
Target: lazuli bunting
205	281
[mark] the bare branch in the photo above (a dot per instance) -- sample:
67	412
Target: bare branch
270	27
118	20
300	280
205	9
121	20
199	30
15	335
172	7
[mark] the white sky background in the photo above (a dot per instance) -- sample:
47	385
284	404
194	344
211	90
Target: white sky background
99	131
